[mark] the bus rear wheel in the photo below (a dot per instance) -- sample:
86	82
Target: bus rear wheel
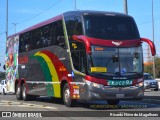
18	92
113	102
25	96
66	96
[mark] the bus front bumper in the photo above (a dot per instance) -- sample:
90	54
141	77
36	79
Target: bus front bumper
92	93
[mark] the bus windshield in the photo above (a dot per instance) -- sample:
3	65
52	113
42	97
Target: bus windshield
115	61
110	27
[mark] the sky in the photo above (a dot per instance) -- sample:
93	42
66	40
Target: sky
25	13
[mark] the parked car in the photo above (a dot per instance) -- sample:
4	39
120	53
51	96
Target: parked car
3	89
149	82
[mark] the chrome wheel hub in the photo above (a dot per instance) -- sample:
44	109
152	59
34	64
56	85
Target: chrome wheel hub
67	95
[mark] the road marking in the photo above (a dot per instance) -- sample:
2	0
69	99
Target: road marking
23	104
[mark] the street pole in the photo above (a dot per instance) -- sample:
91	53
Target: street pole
75	3
6	20
154	73
125	7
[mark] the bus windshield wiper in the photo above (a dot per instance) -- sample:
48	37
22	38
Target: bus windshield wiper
134	72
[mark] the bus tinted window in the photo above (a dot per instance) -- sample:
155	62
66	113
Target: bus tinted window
25	42
110	27
42	37
51	34
74	26
58	34
78	53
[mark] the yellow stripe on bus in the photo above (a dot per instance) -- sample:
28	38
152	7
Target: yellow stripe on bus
53	72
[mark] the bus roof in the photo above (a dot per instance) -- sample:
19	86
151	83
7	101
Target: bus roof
81	12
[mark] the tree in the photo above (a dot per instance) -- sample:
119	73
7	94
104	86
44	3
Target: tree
148	67
157	66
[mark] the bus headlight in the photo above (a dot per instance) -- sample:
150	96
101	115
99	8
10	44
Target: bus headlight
140	84
96	85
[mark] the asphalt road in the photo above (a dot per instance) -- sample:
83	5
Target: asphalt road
46	106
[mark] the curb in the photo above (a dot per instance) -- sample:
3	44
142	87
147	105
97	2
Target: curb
151	101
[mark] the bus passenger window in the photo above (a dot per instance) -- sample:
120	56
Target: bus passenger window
61	41
25	42
74	26
58	34
46	39
21	46
28	47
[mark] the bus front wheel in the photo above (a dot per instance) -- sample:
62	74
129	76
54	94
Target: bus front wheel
66	96
113	102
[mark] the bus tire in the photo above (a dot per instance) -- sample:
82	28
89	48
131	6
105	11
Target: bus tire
66	96
25	96
18	92
113	102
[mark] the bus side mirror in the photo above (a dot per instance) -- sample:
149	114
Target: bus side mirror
151	44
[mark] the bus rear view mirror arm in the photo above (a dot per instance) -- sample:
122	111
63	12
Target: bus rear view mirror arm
82	38
151	44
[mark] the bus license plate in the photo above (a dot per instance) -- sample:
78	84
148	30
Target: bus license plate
119	95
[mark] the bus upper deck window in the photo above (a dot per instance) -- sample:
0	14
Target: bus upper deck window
88	25
28	47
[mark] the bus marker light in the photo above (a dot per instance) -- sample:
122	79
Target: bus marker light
74	96
62	69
